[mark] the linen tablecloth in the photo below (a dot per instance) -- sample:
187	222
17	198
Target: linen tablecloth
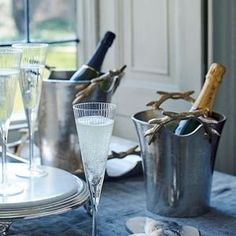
125	198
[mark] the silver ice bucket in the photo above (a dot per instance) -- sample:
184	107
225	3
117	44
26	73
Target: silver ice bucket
177	169
57	137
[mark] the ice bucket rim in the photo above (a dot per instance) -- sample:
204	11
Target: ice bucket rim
221	118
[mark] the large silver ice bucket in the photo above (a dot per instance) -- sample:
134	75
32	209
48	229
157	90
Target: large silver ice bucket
58	142
177	169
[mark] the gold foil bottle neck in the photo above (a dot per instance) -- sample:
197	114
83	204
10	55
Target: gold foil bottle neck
216	71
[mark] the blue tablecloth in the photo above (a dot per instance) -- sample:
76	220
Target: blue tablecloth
125	198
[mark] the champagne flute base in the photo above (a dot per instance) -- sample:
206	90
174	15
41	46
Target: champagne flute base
35	172
9	189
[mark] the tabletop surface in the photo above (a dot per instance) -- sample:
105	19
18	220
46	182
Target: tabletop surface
123	199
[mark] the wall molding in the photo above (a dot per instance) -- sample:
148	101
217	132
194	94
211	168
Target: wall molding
87	28
143	77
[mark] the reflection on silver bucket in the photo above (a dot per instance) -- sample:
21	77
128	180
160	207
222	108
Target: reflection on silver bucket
178	169
58	142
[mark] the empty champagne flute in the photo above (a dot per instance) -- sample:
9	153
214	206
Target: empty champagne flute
32	66
9	74
94	123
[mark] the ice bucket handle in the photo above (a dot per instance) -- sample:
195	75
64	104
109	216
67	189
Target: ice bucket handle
85	90
199	114
171	95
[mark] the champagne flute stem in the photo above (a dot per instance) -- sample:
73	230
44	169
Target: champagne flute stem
94	225
4	154
31	147
31	139
94	200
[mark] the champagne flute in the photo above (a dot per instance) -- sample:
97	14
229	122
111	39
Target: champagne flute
32	66
9	74
94	123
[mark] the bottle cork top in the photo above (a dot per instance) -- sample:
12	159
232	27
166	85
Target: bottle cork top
206	98
108	38
216	71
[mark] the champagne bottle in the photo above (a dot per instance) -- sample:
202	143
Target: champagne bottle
92	68
206	98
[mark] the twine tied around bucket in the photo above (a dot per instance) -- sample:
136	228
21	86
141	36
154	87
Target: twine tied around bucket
85	90
201	115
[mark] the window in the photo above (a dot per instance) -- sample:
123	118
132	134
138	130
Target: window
50	21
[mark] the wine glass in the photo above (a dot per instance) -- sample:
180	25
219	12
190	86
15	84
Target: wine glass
94	123
32	66
9	74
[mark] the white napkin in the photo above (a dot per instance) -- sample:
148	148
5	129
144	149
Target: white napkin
117	167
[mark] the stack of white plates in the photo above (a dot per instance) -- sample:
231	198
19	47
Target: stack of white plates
57	192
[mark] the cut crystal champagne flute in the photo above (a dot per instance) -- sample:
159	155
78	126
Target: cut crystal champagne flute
94	123
9	74
32	66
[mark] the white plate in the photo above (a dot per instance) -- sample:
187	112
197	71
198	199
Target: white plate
58	200
53	208
55	186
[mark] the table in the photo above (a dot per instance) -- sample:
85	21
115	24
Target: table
125	198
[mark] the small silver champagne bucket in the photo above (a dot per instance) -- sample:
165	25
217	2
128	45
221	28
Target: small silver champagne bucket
177	169
58	141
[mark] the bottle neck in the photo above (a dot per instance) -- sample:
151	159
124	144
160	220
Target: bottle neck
98	57
207	95
101	50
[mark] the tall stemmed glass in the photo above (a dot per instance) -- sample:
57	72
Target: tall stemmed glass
9	74
94	123
32	66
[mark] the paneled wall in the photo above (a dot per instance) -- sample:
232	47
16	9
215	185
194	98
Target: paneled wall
161	43
155	39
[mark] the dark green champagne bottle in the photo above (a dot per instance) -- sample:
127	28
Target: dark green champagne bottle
206	98
92	68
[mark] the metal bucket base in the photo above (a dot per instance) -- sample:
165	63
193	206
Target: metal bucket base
179	212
